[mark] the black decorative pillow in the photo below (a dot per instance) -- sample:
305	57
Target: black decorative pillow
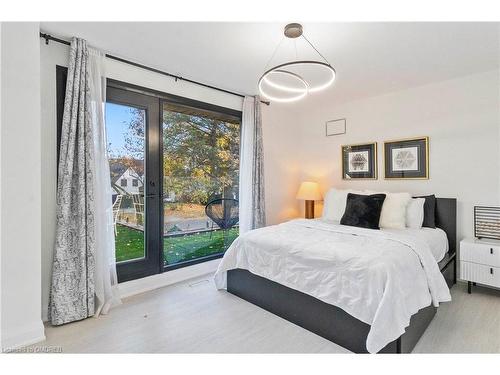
363	210
429	211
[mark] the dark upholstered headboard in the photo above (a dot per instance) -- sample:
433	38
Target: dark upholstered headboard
446	219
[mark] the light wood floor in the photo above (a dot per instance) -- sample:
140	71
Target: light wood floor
193	317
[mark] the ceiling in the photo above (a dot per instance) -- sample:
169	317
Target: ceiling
369	58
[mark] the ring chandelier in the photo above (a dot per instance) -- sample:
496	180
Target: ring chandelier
268	79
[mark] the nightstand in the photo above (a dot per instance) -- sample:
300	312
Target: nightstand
480	262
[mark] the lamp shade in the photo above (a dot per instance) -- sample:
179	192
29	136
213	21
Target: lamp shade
309	191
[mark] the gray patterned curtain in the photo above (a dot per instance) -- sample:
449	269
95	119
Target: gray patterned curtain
251	195
72	291
259	205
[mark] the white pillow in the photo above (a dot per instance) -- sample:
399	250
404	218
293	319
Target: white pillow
335	202
415	213
393	215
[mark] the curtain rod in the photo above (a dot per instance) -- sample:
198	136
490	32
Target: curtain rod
49	37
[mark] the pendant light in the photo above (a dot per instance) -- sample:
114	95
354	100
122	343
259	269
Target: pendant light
288	82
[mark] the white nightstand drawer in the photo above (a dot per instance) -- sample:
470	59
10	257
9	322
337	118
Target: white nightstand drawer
482	253
480	273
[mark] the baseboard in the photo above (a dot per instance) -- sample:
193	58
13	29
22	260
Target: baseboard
27	335
146	284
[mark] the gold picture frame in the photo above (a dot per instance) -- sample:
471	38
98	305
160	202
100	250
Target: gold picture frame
368	171
411	166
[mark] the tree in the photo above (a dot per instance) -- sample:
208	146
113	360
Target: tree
133	154
201	156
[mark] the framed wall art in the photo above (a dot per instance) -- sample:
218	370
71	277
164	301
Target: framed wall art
359	161
407	158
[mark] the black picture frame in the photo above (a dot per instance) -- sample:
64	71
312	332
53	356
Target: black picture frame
366	165
413	156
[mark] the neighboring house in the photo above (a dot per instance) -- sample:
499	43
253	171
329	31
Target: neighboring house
127	178
129	182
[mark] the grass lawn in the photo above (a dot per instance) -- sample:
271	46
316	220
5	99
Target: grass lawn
130	244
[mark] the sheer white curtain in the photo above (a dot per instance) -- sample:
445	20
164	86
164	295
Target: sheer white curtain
251	189
106	288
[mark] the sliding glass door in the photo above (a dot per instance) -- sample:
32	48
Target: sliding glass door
174	170
200	154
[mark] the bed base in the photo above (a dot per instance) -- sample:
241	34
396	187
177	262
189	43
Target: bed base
323	319
326	320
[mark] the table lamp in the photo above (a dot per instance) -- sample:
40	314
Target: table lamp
309	191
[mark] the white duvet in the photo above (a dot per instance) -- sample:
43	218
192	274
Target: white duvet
381	278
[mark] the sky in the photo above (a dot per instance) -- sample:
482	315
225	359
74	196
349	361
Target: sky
117	118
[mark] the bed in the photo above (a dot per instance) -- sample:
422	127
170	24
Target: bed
387	307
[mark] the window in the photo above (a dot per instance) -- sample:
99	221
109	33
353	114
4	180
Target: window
180	155
200	174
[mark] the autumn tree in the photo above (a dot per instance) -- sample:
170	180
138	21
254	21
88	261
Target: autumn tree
132	156
200	154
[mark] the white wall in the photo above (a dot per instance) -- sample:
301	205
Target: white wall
278	133
281	162
461	117
20	176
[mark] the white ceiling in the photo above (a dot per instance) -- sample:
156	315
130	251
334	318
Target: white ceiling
370	58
